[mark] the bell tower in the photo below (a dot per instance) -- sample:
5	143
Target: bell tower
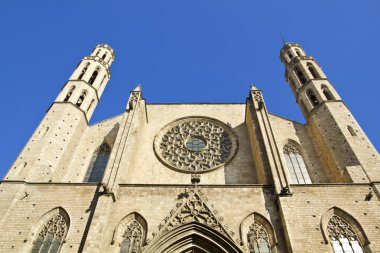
88	80
50	148
344	149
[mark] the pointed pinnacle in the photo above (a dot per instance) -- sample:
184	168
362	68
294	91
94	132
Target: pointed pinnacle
253	86
138	88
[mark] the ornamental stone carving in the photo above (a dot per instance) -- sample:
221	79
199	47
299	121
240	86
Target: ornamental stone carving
196	144
55	227
193	206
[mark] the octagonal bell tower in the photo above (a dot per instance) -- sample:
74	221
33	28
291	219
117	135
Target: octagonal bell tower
344	149
50	149
87	83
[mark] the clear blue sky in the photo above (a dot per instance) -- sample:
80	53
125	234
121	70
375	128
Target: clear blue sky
183	51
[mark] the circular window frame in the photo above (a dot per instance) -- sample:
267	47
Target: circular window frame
195	137
226	129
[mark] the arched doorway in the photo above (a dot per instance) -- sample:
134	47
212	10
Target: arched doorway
192	237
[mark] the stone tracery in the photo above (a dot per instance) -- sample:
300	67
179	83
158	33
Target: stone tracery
52	234
221	144
132	238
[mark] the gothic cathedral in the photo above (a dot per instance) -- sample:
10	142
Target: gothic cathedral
194	177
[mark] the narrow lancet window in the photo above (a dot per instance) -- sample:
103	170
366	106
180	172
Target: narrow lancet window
327	93
300	76
98	164
313	71
313	99
258	239
69	94
81	98
296	165
84	70
104	56
290	55
94	75
342	236
51	235
132	238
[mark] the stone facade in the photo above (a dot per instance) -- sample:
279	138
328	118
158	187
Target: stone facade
194	177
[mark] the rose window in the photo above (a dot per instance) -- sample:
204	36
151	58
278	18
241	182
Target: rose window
196	144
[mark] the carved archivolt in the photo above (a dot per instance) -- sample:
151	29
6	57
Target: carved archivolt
218	144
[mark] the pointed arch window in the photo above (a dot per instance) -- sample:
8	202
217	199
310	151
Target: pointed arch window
84	70
300	76
258	239
290	55
342	236
313	99
94	75
69	94
296	165
81	98
327	93
51	235
98	164
132	238
104	55
312	70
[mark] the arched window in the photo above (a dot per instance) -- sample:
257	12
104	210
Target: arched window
94	75
84	70
98	164
97	53
298	52
296	166
290	55
258	234
104	55
300	76
258	239
342	236
313	99
51	235
132	238
313	71
69	94
81	98
327	93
